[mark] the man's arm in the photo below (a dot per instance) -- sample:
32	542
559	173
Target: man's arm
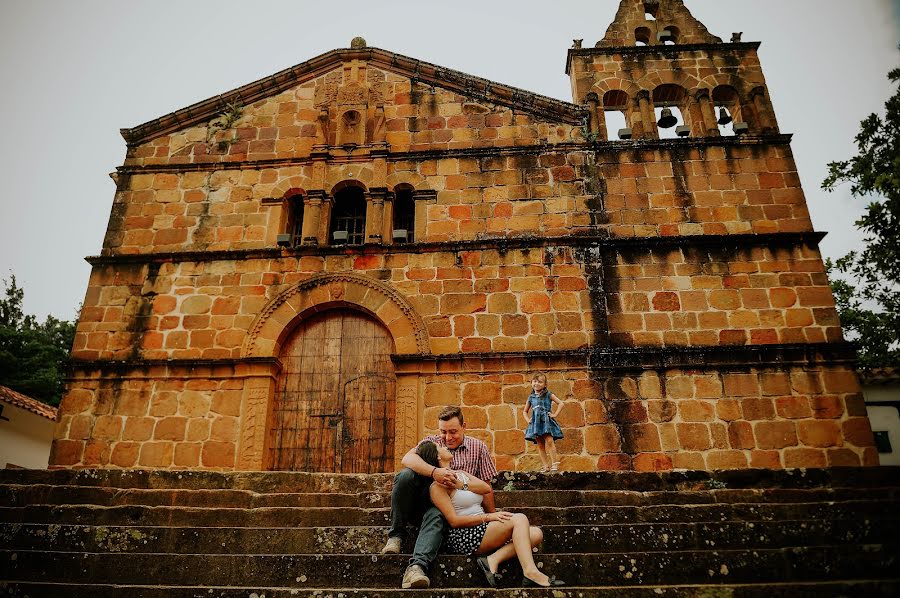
445	477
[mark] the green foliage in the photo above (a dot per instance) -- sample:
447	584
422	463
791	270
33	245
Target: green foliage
33	355
866	284
226	120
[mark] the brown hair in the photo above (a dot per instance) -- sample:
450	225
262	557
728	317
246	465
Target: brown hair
540	376
428	451
449	412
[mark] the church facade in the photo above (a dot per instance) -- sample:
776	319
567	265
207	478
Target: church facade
300	273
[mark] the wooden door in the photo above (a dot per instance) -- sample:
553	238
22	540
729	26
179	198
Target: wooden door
334	405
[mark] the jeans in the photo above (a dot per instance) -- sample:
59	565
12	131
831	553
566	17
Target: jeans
409	501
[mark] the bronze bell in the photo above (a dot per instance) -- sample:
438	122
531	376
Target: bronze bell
724	117
667	120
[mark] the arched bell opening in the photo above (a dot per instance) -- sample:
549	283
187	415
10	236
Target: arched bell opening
728	109
335	398
669	108
615	113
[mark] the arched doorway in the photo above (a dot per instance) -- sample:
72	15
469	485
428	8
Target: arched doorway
335	399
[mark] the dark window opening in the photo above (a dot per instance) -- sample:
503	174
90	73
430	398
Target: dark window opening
642	36
651	9
295	220
883	442
404	216
348	217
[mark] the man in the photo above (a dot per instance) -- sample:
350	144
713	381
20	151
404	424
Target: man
410	495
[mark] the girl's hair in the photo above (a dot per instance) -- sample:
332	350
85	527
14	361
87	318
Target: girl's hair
428	451
540	376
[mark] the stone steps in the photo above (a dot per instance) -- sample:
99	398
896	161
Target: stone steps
369	540
683	534
20	495
844	589
288	482
354	516
806	564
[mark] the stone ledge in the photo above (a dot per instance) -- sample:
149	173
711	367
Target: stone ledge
623	359
502	244
609	359
672	51
480	152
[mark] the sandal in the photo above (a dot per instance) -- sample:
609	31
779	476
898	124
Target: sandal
527	582
555	467
490	576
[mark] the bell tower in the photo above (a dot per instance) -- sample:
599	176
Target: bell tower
659	73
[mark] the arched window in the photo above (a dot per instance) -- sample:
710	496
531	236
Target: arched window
615	106
667	101
668	36
348	217
642	36
728	109
403	230
651	9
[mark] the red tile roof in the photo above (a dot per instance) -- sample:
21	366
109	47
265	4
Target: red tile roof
17	399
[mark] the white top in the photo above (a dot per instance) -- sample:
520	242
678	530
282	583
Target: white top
466	502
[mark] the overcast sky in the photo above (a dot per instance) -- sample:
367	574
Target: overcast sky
74	73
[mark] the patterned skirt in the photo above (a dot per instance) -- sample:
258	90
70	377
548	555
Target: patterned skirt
466	540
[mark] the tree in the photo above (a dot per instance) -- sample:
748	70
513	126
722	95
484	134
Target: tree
868	294
33	356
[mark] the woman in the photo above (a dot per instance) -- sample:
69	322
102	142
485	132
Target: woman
472	531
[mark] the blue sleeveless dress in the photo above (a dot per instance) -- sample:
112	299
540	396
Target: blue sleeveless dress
541	422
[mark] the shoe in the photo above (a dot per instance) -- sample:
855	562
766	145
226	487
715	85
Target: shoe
415	577
530	583
392	546
555	467
486	569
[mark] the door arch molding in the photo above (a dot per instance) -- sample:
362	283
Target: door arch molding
322	292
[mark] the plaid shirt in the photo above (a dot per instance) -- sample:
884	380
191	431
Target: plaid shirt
472	457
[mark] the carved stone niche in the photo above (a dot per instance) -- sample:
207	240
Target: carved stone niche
352	114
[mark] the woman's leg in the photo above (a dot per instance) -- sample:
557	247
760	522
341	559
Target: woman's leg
542	451
524	538
550	448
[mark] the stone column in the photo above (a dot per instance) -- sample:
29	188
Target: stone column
597	123
312	215
765	123
422	200
375	214
648	119
388	227
708	113
378	125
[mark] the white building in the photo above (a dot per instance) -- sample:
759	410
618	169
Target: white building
26	430
881	389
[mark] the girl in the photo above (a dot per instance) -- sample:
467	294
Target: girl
542	427
472	531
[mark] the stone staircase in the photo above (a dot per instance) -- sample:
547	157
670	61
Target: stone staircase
748	533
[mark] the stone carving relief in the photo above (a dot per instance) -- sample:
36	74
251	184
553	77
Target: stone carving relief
352	94
327	89
406	431
253	429
376	80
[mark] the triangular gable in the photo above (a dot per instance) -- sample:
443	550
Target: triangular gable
417	70
631	16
